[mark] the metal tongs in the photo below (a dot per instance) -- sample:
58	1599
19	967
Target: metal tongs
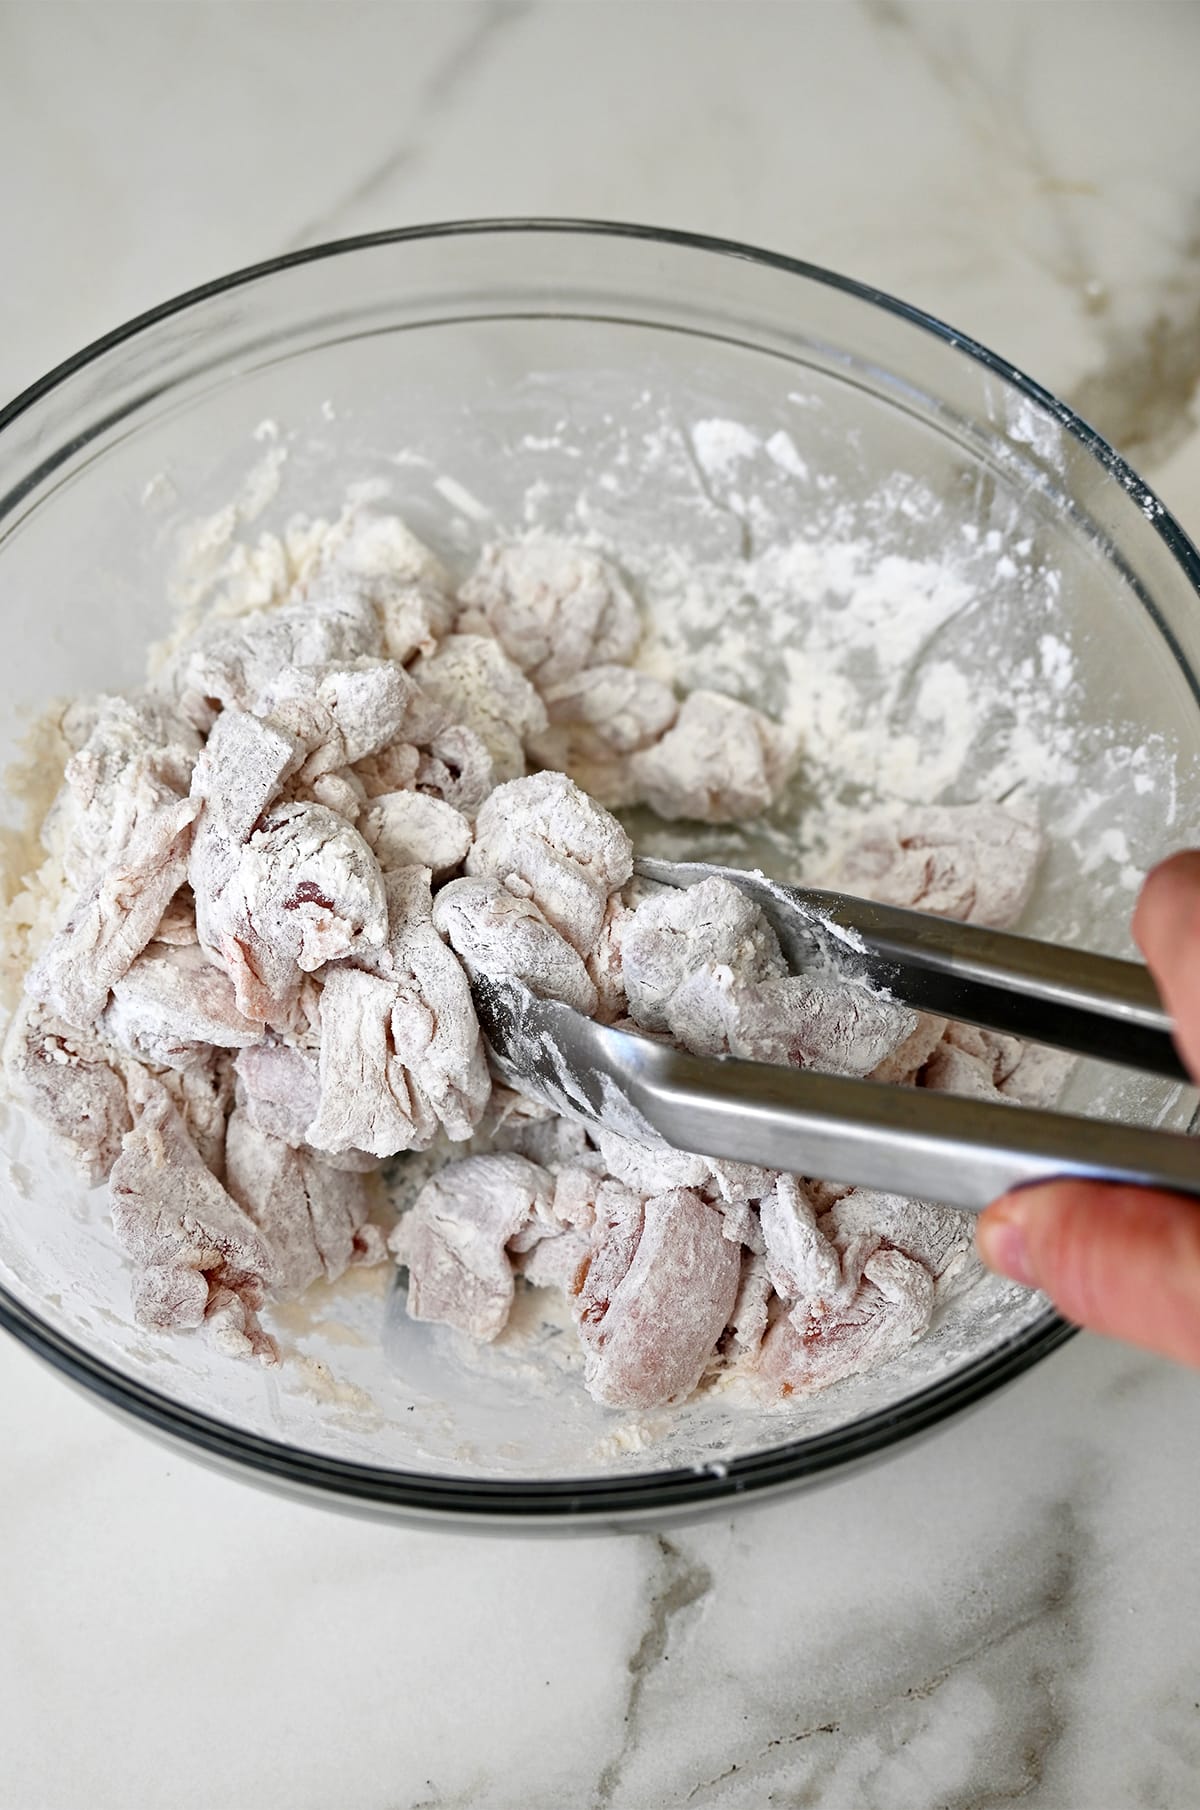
936	1146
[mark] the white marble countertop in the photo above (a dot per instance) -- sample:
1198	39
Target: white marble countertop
1008	1613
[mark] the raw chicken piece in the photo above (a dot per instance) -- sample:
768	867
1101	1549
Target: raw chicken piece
377	548
110	924
380	557
739	1219
951	1070
604	962
457	767
411	829
312	887
497	934
703	963
300	1024
581	1192
68	1083
801	1262
676	932
971	1060
477	683
905	1062
400	1047
241	771
558	1144
306	890
410	614
546	840
339	790
651	1168
556	1262
413	617
509	1114
279	1089
736	1189
738	1182
173	1006
800	1021
936	1237
1038	1077
751	1308
393	769
656	1297
191	1245
230	662
891	1307
339	714
554	608
722	762
578	1199
434	755
441	1041
975	862
202	1094
604	777
136	753
996	1049
239	774
176	928
1030	1073
121	824
616	1234
452	1240
582	1197
610	709
311	1216
824	1194
993	1066
368	1099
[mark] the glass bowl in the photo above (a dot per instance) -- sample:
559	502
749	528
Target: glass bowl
833	504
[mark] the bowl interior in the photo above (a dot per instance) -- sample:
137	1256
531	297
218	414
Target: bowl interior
826	508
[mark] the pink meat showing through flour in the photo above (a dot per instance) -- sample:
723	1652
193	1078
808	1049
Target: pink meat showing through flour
975	862
197	1256
655	1299
452	1240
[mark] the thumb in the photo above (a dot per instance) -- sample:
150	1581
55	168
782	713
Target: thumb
1166	924
1122	1261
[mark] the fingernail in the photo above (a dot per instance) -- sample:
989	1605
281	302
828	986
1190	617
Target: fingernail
1000	1236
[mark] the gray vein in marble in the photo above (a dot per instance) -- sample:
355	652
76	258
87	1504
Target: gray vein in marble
462	1800
677	1585
1144	394
1003	1672
488	24
1139	1375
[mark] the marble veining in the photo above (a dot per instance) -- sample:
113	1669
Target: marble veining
676	1585
441	87
1006	1615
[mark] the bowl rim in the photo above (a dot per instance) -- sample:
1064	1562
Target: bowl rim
582	1500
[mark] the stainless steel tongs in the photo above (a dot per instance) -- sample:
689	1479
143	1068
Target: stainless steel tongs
936	1146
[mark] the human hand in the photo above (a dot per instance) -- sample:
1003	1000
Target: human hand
1123	1261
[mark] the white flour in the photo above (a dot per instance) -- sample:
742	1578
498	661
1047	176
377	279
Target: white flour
914	673
921	657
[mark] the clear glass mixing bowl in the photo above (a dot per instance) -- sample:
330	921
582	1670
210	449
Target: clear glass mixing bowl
586	376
